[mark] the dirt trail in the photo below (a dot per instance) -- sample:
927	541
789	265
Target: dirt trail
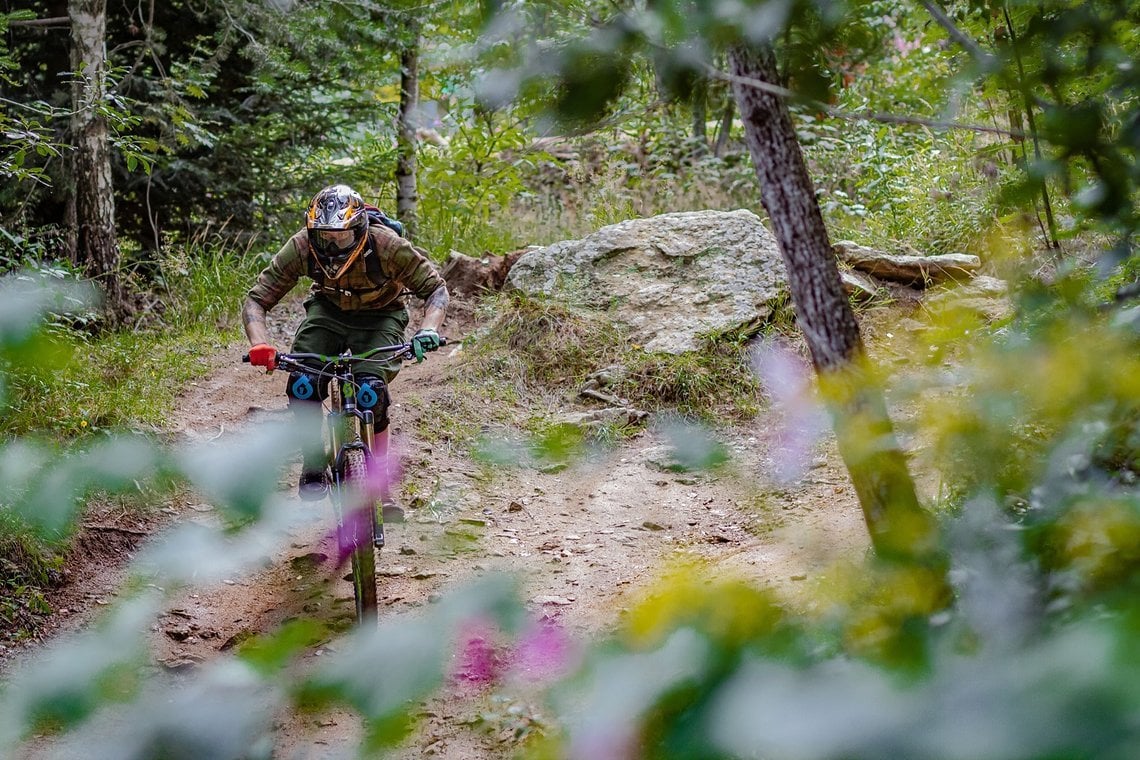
582	541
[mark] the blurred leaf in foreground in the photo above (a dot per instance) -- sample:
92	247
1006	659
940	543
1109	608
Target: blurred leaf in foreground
692	446
77	675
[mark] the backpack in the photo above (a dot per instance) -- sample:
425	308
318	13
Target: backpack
376	217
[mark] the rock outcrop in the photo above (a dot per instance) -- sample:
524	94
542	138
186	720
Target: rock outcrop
667	280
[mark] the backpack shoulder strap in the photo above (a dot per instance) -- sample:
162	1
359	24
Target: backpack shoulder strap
372	265
382	239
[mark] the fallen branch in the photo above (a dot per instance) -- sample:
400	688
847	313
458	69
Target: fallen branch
116	529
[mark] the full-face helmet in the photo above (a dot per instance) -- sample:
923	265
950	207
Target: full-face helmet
338	227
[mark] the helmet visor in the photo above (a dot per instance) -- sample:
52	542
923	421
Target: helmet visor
334	243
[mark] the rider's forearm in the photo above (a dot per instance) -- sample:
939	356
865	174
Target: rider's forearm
435	308
253	319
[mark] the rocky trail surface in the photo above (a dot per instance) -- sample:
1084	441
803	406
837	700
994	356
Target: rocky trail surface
583	541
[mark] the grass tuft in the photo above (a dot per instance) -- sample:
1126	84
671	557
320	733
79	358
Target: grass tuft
27	568
540	341
542	347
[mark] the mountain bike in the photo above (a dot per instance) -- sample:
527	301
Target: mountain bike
349	437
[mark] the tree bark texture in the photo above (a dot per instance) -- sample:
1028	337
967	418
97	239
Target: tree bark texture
698	99
900	528
97	248
407	198
725	130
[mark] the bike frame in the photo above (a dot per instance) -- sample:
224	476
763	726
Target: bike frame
349	428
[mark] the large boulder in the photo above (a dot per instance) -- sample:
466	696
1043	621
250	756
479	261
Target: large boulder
667	279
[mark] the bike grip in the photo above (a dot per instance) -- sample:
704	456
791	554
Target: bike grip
245	358
442	341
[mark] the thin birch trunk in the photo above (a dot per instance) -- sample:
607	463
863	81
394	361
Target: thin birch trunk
97	248
407	198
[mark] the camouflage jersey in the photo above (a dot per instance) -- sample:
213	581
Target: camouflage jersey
403	268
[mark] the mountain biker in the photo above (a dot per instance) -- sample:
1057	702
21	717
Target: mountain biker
360	273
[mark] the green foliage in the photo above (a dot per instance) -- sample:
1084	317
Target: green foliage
470	186
1003	437
927	192
24	126
77	383
233	113
1032	425
203	280
28	566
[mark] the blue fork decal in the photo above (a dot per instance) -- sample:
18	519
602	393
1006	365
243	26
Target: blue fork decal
367	397
302	387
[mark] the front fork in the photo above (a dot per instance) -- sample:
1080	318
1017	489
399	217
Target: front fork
368	436
355	428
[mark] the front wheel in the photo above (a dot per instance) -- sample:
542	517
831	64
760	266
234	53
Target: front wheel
356	533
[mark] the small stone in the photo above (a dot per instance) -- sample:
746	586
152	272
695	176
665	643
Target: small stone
180	664
650	525
556	600
799	577
407	550
434	597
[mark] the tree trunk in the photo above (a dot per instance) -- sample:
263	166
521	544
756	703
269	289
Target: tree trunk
97	249
406	194
900	528
725	129
698	99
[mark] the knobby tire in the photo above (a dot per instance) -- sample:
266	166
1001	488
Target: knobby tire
357	525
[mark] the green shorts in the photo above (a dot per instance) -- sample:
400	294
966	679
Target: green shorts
329	330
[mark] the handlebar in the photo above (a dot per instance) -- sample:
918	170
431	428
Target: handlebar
403	350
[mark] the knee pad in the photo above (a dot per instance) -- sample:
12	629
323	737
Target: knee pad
305	386
372	394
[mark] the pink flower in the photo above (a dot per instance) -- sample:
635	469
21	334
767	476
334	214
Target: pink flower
544	652
788	382
479	662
